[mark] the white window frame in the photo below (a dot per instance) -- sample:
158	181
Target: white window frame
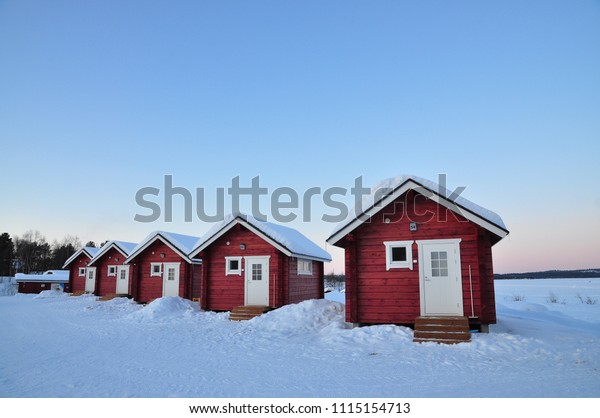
82	271
302	265
156	273
229	271
113	272
389	263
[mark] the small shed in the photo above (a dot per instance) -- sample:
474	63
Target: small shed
80	279
246	261
112	274
49	280
413	249
161	266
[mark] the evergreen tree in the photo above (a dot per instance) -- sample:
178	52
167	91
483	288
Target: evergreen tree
7	250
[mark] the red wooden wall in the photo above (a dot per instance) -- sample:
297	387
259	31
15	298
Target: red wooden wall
106	284
302	286
146	288
376	295
223	293
77	282
34	287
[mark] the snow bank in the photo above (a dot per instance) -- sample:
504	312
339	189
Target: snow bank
304	317
336	296
49	294
168	308
8	289
537	349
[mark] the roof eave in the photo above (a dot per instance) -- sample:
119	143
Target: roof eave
105	250
166	241
411	184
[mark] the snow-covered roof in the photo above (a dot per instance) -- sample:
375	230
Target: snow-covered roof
388	190
55	276
181	244
123	247
89	251
289	241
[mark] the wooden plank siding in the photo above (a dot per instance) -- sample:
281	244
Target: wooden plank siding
224	292
377	295
35	287
146	288
105	284
77	282
221	292
304	286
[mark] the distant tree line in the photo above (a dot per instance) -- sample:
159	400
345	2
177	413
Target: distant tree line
336	281
31	253
552	274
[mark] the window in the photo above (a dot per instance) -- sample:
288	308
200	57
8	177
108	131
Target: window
123	274
112	270
256	271
304	266
155	269
398	255
439	264
82	271
233	265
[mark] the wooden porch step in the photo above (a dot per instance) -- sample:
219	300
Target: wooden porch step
111	296
243	313
79	293
442	329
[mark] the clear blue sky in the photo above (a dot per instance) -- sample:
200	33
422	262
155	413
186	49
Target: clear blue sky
101	98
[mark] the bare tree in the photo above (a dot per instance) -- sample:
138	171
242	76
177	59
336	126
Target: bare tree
33	251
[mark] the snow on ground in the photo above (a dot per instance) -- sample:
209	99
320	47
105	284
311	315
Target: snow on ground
8	287
59	346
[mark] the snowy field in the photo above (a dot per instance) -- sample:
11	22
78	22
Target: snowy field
53	345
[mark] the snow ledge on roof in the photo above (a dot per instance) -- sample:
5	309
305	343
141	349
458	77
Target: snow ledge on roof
295	242
389	186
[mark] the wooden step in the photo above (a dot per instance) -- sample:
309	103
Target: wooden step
442	329
79	293
243	313
111	296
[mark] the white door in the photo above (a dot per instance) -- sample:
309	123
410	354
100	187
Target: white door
257	281
90	280
122	280
440	278
171	279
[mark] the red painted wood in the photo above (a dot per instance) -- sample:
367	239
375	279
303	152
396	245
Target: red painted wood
105	284
34	287
376	295
147	287
223	292
304	286
76	282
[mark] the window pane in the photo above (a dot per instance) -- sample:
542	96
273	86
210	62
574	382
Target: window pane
234	264
256	271
398	253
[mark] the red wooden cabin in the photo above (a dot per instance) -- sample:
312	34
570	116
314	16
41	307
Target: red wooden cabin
112	274
79	276
249	262
49	280
161	267
413	250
